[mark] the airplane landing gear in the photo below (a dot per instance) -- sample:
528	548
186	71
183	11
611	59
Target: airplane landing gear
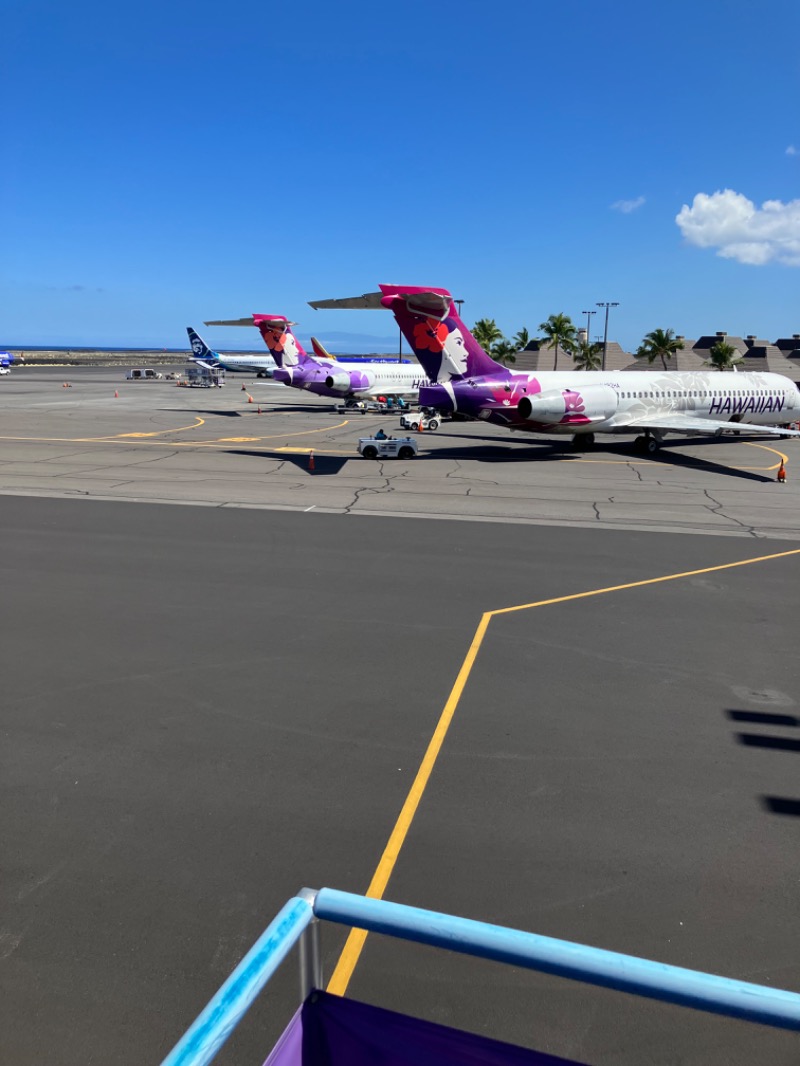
583	442
647	444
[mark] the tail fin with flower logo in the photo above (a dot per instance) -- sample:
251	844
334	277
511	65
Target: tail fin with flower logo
283	346
431	324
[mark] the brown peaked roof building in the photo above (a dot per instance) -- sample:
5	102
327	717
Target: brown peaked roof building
780	357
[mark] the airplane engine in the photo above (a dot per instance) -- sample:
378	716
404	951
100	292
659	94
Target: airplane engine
338	381
570	407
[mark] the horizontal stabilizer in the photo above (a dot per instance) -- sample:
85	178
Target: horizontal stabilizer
370	301
677	423
231	322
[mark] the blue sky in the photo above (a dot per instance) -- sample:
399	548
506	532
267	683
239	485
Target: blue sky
171	162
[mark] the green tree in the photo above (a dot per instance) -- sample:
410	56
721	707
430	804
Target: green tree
521	340
504	351
660	344
588	356
723	356
559	332
487	333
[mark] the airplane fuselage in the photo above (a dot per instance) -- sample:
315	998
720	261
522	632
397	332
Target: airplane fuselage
337	380
608	402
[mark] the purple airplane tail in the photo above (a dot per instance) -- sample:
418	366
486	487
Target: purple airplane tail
433	327
283	346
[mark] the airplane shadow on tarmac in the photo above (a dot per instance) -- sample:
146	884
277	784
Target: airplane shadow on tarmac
519	453
561	451
770	742
324	465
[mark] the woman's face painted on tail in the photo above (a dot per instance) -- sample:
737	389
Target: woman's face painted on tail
454	355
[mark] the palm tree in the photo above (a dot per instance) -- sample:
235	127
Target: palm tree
504	351
559	330
588	356
487	333
660	344
724	356
521	340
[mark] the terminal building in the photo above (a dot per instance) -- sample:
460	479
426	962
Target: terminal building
778	357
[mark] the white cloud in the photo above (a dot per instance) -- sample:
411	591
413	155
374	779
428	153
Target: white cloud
627	206
739	230
791	150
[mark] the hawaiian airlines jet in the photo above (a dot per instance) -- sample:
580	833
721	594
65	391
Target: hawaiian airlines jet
325	376
579	403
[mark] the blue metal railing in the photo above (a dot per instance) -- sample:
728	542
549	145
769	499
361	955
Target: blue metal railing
624	973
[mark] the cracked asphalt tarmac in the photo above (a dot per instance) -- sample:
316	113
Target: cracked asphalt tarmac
162	443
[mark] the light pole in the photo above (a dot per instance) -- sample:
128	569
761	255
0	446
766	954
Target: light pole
607	305
588	325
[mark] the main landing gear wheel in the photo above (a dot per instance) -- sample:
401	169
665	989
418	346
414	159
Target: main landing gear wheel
583	442
646	444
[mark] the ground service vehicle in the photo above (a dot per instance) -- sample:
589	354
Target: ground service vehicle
390	448
144	374
415	419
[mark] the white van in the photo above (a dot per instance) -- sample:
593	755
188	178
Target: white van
144	375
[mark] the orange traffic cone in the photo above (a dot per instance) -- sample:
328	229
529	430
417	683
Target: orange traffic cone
421	426
782	473
244	388
116	394
311	461
249	398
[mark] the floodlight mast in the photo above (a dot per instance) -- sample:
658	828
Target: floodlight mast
607	305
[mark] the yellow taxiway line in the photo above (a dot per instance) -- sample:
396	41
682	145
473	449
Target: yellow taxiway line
355	941
137	438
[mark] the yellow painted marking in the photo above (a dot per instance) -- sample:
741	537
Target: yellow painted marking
355	941
764	448
318	451
124	438
609	462
237	440
159	432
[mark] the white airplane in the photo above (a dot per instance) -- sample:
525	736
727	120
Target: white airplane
577	403
261	365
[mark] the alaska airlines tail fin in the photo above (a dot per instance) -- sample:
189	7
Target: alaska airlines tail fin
200	350
433	327
283	346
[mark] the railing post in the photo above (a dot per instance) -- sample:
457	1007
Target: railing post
310	960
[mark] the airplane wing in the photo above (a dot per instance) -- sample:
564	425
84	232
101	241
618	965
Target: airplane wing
684	423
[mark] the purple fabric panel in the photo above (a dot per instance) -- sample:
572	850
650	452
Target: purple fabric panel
289	1049
343	1032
